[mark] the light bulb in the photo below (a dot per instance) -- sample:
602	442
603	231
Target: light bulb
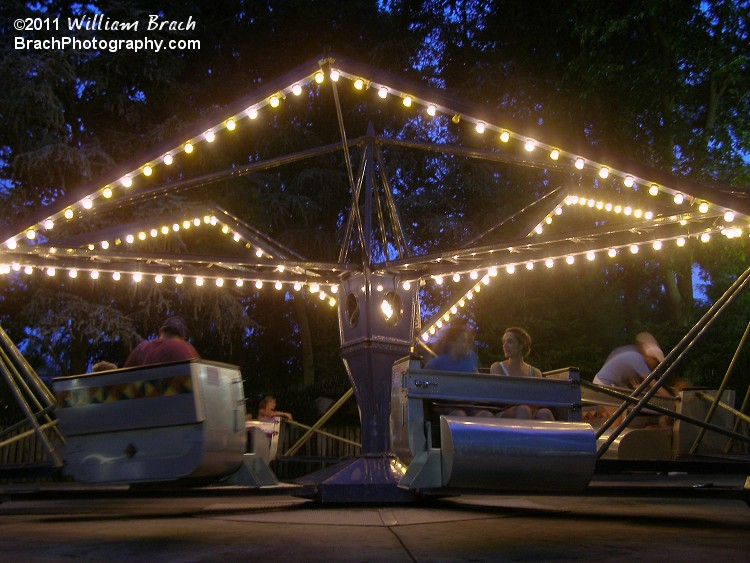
73	273
105	244
199	281
680	241
68	213
28	270
11	244
379	288
603	172
231	125
653	190
126	181
510	268
49	224
332	301
628	181
31	234
492	272
188	148
529	265
627	211
116	276
107	193
154	233
219	282
570	259
167	159
165	230
480	127
277	285
678	198
137	277
634	249
259	253
538	229
387	309
297	286
274	101
705	237
439	280
590	256
158	278
147	170
611	252
657	245
252	113
314	288
239	283
431	110
178	279
456	278
637	213
50	272
94	274
383	92
359	84
579	163
549	262
729	216
296	89
407	101
648	215
505	136
319	77
529	145
258	284
554	154
703	207
474	274
334	288
406	285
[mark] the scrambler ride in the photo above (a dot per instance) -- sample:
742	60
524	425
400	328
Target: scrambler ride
184	423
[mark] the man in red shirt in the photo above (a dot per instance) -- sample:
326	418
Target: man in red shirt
171	346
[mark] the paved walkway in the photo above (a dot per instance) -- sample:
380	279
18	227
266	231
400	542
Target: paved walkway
267	526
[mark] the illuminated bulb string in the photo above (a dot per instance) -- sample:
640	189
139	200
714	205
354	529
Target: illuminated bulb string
569	259
359	83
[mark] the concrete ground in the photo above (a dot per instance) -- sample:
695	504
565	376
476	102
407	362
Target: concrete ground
242	524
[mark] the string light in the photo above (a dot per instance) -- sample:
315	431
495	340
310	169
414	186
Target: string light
579	163
431	110
504	136
383	92
359	84
554	154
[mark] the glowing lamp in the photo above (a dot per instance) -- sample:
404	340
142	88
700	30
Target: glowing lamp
431	110
529	145
603	172
274	101
68	213
252	113
167	159
407	101
505	136
296	89
147	170
359	84
628	181
579	163
657	245
729	216
319	77
554	154
480	127
383	92
49	224
231	125
653	190
678	198
188	148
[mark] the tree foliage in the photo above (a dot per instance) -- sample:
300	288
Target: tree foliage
660	82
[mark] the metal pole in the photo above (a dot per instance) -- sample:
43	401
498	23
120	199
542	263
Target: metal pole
323	433
720	392
678	352
323	419
662	410
10	348
56	459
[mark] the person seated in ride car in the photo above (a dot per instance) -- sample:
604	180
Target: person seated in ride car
516	347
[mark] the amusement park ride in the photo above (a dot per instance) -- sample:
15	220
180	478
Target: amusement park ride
184	422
